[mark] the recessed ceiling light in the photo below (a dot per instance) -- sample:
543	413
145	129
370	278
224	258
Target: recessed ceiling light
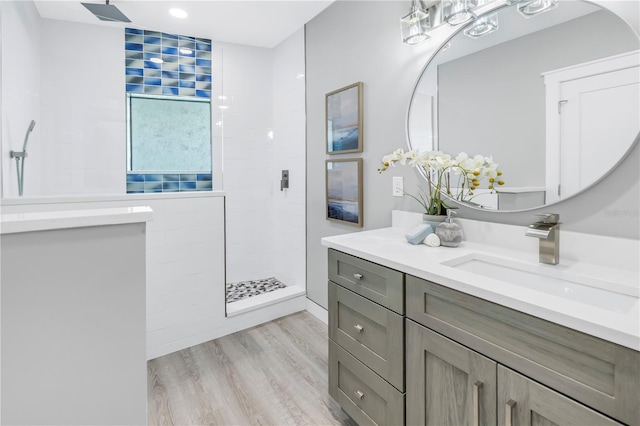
156	60
178	13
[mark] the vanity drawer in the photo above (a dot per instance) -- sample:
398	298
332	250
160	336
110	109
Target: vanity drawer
378	283
600	374
370	332
366	397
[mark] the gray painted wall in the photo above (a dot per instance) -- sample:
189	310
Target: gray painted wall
360	41
506	101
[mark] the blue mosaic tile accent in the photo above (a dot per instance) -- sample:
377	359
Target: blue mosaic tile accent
152	90
133	46
168	182
187	186
134	71
203	185
135	186
153	187
170	186
135	88
185	60
170	91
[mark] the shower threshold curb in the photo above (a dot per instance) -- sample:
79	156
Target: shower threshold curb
260	301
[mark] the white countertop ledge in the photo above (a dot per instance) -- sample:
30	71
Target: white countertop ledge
14	223
388	247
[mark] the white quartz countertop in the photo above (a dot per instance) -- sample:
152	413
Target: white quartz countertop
42	221
388	247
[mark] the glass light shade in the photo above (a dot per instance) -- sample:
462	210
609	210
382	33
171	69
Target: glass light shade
457	12
483	26
536	7
414	26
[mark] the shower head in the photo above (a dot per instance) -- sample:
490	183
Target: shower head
106	12
26	137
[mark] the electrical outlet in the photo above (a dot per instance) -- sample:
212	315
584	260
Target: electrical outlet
398	186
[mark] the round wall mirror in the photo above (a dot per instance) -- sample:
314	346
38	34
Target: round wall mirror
553	98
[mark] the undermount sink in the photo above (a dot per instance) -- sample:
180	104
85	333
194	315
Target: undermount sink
547	279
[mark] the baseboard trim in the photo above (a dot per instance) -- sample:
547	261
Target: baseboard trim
317	311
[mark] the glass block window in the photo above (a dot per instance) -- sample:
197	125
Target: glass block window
169	134
167	64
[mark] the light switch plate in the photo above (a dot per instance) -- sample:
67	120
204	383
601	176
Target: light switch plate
398	186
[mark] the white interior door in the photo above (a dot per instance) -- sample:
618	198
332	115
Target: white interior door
593	117
599	115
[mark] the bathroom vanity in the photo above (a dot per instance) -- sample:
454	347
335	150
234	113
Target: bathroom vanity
74	317
416	340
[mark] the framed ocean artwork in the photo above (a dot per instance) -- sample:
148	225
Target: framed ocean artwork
344	191
344	119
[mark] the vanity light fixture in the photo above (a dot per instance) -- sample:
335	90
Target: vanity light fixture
533	8
415	24
457	12
483	26
178	13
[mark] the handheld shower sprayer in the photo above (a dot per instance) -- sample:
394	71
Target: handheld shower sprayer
20	157
26	137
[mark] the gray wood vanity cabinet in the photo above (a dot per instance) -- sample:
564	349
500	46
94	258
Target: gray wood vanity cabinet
570	376
366	346
467	361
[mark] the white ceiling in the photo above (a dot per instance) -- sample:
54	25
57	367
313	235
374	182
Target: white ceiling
261	23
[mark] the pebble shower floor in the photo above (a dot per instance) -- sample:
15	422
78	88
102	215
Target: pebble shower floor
245	289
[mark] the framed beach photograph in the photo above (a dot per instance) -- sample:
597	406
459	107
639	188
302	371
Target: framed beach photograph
344	190
344	119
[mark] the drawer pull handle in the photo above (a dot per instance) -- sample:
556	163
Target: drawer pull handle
477	386
357	276
359	394
509	412
359	328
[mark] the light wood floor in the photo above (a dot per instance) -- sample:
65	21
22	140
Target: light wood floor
272	374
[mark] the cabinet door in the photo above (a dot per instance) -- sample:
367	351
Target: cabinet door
522	401
447	383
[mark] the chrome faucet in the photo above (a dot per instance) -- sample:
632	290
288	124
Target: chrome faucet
547	229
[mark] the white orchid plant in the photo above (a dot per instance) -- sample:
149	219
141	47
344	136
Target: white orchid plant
443	172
